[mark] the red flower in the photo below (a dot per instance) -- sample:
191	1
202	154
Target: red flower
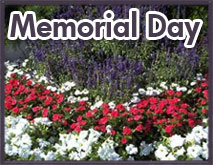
105	111
54	107
83	103
65	122
123	141
79	118
83	122
45	112
120	107
184	105
57	117
205	84
115	113
67	109
137	117
169	128
95	110
29	117
15	110
127	130
198	90
113	132
103	120
170	92
89	114
105	105
77	129
142	104
204	111
191	123
206	95
153	100
203	102
179	93
36	109
48	101
139	127
12	74
73	125
133	110
184	111
29	82
81	108
60	100
130	119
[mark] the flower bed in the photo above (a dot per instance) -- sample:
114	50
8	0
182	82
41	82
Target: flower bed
47	121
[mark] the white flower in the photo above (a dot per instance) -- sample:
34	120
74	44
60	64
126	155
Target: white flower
42	121
170	157
43	79
135	94
163	85
37	153
176	141
49	156
28	76
193	83
180	151
43	143
141	91
77	92
199	133
111	105
131	149
194	151
157	92
205	154
189	138
84	99
51	88
161	152
72	99
205	121
17	141
200	77
182	89
97	104
174	85
135	99
85	92
107	152
108	128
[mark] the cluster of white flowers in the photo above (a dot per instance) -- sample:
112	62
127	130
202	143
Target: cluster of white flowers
198	139
39	153
107	151
17	140
77	146
194	146
78	95
42	121
67	86
97	104
131	149
12	67
149	91
199	77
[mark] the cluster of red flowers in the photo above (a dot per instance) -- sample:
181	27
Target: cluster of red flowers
166	114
